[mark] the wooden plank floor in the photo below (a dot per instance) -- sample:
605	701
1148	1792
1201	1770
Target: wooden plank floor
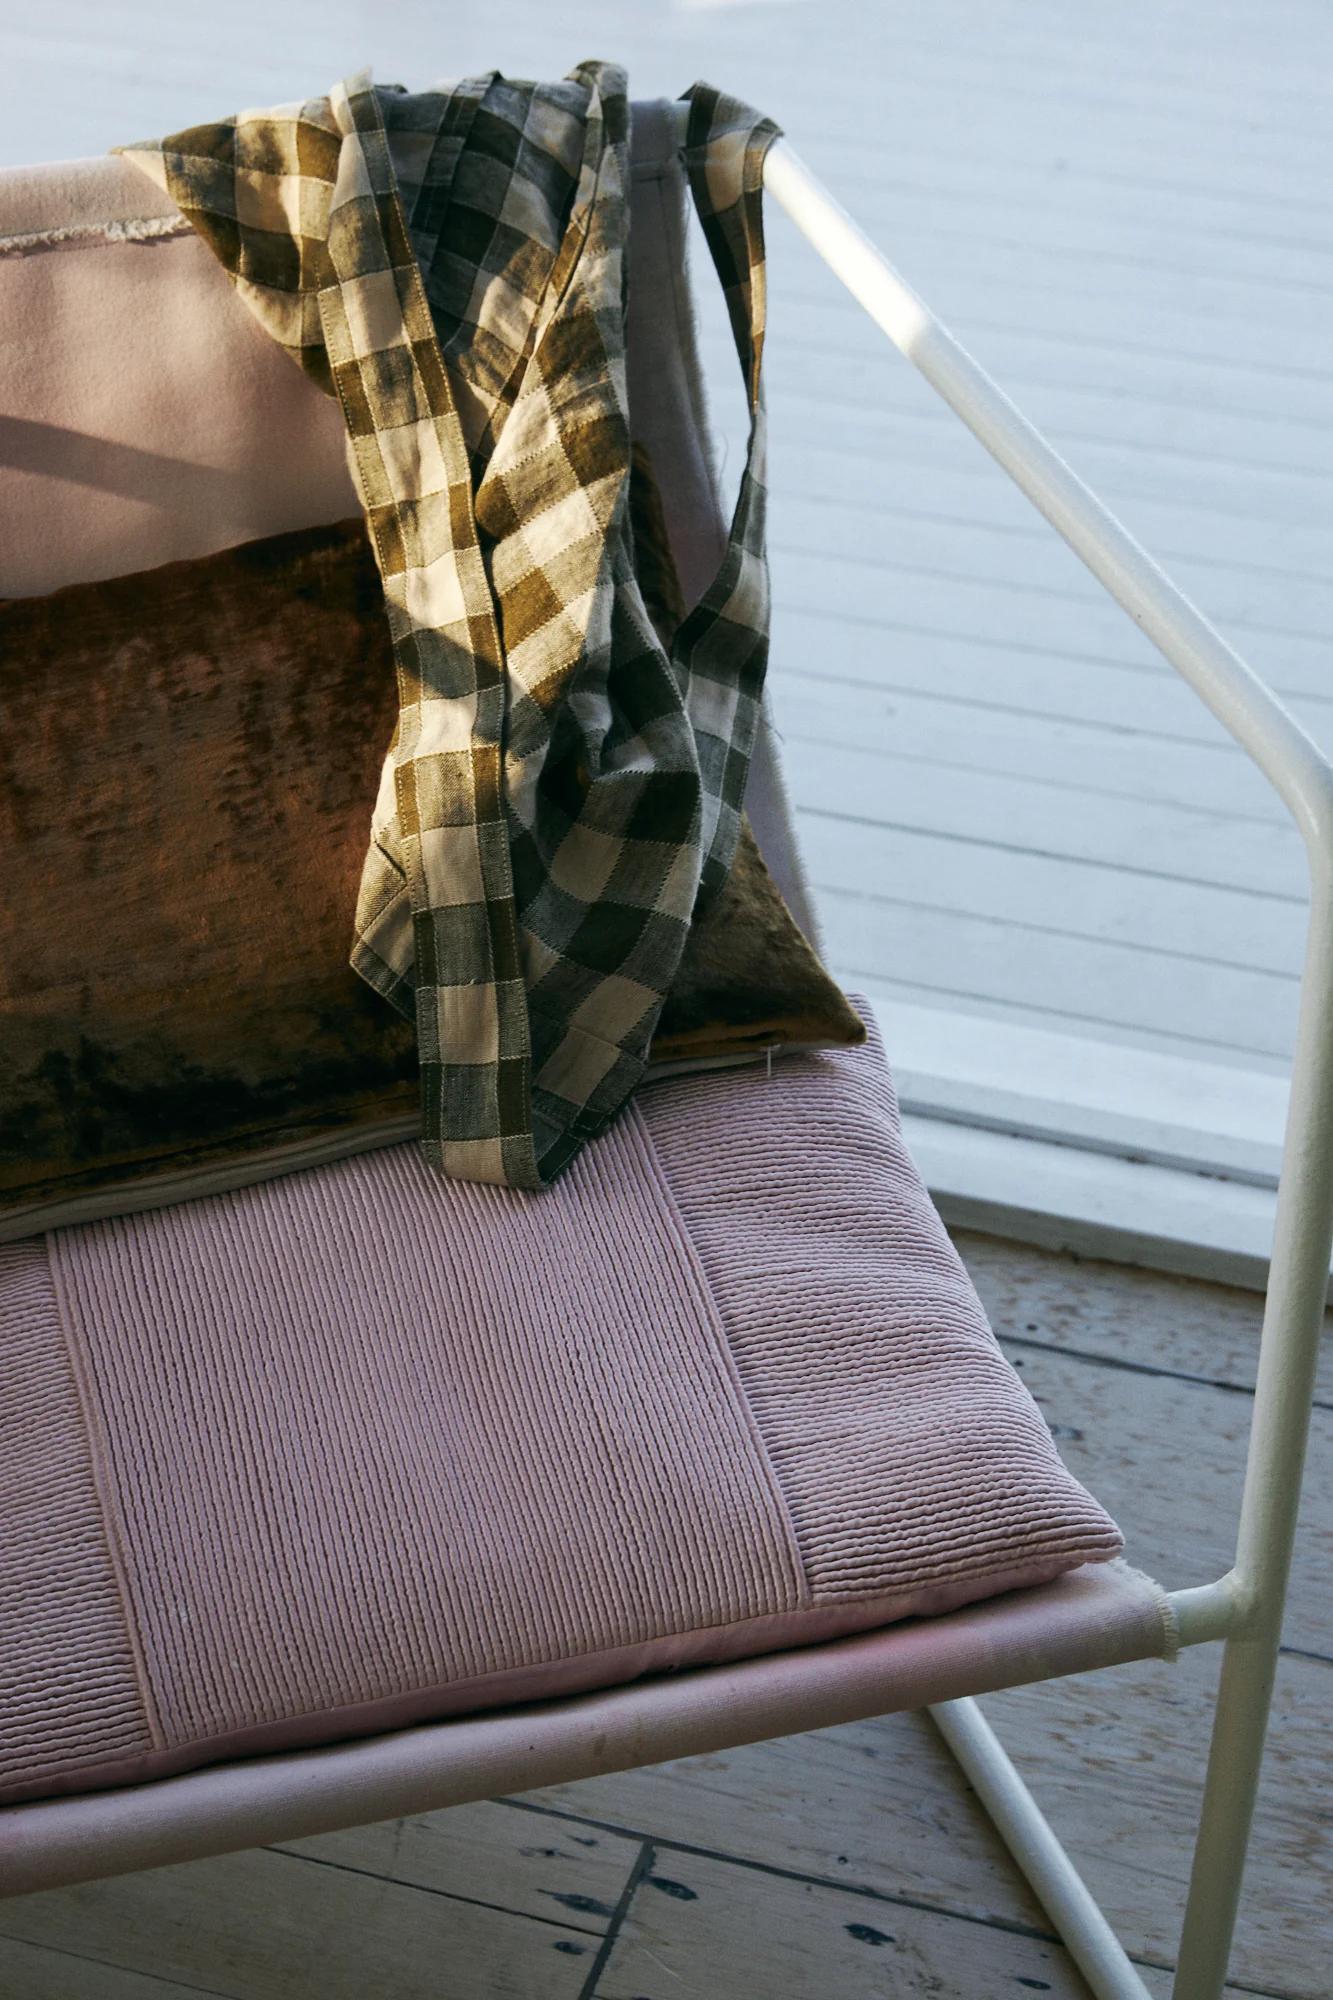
853	1862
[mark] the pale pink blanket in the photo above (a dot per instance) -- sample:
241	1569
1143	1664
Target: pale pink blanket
359	1447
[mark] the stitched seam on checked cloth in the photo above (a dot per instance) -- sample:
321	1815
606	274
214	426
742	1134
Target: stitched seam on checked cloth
563	792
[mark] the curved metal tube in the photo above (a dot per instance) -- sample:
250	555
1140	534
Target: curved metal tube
1247	1604
1236	695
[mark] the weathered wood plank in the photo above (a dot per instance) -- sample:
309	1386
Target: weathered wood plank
703	1926
957	799
871	938
490	1854
271	1926
1235	593
1184	436
1158	913
1116	1762
1109	1311
889	992
882	442
875	1806
948	596
1167	1458
716	1920
43	1972
951	206
919	703
1161	354
954	486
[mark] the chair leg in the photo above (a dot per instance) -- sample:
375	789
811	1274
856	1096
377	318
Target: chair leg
1240	1724
1026	1832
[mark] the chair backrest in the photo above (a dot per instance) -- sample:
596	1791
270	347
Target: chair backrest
144	417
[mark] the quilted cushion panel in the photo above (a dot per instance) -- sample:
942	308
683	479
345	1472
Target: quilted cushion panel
725	1387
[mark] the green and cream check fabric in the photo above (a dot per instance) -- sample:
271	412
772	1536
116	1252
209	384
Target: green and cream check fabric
562	795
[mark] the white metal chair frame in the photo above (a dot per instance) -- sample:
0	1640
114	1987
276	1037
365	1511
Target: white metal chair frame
1244	1608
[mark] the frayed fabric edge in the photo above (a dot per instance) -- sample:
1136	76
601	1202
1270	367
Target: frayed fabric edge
1170	1625
130	229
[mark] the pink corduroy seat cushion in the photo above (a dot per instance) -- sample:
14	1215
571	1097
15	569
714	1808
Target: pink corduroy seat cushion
725	1388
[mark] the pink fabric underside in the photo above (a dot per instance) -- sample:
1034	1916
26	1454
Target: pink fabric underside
1096	1617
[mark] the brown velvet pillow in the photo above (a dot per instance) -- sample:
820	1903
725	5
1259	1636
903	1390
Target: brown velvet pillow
188	760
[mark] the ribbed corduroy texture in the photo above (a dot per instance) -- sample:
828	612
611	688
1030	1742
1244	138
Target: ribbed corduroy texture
908	1449
371	1436
69	1690
479	1431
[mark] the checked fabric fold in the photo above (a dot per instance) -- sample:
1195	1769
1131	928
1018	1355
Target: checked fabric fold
562	796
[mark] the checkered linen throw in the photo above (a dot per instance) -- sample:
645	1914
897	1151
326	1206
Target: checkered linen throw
562	795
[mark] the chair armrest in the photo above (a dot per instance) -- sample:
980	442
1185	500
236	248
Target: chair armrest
1242	702
1252	1599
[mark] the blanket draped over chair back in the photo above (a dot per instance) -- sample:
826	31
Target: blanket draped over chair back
562	795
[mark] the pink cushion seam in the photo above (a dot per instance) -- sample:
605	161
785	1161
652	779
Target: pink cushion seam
694	1265
104	1485
414	1708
